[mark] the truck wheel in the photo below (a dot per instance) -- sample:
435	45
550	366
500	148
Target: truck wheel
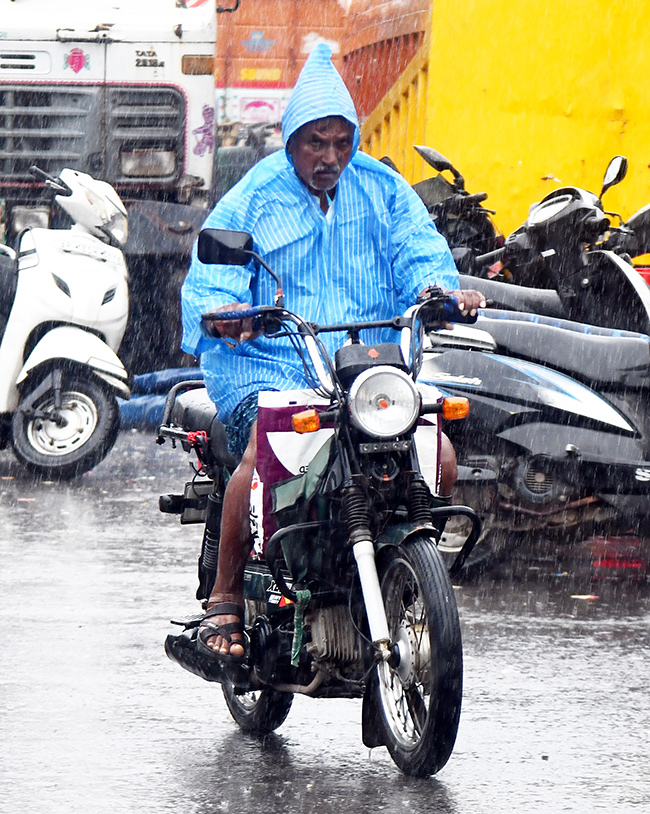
62	444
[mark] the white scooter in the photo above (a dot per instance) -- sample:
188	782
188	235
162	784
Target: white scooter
63	310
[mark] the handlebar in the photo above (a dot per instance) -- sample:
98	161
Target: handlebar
442	310
429	314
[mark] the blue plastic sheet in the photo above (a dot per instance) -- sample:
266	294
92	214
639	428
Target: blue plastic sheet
144	409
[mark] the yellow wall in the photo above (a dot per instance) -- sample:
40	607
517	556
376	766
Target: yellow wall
523	92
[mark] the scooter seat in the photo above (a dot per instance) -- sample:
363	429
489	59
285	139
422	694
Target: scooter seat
195	411
516	297
596	356
8	283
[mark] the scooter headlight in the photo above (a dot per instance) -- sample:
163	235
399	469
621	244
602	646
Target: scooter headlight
383	402
117	228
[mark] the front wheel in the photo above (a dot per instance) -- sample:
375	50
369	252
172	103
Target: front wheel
416	696
61	443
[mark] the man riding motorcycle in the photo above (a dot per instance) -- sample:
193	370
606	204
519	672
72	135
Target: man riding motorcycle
350	241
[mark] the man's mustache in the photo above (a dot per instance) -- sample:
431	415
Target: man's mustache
327	168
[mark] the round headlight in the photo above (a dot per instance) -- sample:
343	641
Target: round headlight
384	402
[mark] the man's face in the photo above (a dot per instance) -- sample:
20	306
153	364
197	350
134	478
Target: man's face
321	150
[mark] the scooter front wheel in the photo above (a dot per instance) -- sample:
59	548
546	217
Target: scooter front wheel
61	443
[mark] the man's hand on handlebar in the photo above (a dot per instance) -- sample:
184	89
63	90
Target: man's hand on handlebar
469	301
238	330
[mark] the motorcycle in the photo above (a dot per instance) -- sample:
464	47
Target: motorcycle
459	216
63	312
346	594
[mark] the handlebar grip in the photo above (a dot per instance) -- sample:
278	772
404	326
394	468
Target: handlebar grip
490	257
224	316
476	197
453	314
255	312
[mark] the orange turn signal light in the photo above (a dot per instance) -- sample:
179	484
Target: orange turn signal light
455	407
306	421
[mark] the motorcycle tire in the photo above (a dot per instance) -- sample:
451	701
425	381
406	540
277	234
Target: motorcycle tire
416	703
259	712
56	452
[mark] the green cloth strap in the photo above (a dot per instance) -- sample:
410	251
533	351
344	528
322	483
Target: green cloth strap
302	600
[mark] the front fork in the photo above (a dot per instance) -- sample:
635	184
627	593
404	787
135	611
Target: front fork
357	515
364	554
53	382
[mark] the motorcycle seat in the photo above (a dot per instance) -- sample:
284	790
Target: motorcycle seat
596	356
516	297
194	411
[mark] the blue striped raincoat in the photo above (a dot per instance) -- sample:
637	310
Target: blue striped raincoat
368	258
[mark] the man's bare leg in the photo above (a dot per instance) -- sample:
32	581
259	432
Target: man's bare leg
234	547
448	467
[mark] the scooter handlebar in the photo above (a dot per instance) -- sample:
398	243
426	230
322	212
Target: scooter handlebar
55	184
490	257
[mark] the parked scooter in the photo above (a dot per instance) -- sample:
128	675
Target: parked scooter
569	261
559	449
63	312
346	594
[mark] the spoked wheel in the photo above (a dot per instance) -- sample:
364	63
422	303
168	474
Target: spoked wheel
64	442
261	711
417	694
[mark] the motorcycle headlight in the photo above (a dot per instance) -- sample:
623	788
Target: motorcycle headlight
383	402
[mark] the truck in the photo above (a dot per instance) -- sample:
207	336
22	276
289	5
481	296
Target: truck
170	101
125	92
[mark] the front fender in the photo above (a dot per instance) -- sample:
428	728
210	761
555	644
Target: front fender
83	347
400	532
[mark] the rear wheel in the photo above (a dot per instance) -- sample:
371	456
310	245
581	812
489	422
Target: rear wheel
64	442
262	711
417	695
258	712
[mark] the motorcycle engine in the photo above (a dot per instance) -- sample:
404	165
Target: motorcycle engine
333	637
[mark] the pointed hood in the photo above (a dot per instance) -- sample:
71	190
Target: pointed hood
319	92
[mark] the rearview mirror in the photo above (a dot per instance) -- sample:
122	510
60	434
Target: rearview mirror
615	173
225	247
440	163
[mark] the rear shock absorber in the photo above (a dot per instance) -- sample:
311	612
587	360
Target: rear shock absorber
209	558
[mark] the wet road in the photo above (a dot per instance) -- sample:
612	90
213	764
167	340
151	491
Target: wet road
93	717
